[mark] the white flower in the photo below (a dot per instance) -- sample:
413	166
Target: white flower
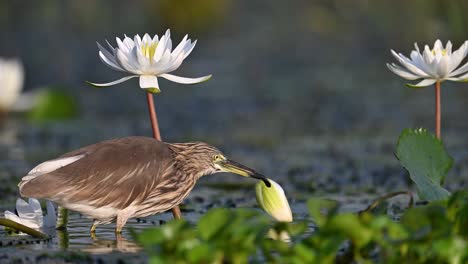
11	82
30	214
148	58
438	64
273	201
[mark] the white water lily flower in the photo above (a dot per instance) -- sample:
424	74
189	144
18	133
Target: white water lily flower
432	65
273	201
11	82
30	214
148	58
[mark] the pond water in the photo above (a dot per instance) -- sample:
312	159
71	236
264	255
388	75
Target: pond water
77	244
300	92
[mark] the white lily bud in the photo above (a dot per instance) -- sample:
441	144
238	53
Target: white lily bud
273	201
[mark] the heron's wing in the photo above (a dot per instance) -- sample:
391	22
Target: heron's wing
112	173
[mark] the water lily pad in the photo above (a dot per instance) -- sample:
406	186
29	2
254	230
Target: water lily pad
427	162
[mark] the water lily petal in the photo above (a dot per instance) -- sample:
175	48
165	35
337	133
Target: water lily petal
24	209
36	206
106	53
113	51
180	47
111	63
443	67
428	55
460	70
169	45
461	78
143	61
416	47
185	80
50	218
129	63
121	45
457	57
461	54
147	39
137	40
26	213
448	48
148	81
128	42
155	38
161	48
421	84
438	45
13	217
173	65
189	49
402	72
419	62
407	64
113	82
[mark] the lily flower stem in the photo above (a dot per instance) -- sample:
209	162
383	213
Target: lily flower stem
62	218
437	109
157	135
23	228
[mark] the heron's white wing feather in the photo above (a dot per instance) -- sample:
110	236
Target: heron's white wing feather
51	165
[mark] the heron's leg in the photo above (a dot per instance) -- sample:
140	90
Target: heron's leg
93	236
122	218
93	227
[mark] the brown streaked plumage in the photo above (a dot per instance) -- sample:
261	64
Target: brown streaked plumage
126	177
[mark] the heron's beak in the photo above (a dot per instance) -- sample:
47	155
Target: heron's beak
234	167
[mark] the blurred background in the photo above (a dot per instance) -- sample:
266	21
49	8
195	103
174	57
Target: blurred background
300	90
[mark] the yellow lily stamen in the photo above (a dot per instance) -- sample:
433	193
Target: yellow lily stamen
149	49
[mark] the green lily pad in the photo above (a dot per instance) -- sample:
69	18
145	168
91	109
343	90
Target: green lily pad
427	162
53	104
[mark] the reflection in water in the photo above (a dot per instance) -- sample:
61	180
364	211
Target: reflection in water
121	244
78	237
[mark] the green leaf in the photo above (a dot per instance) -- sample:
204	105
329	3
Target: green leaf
53	104
349	225
319	209
213	222
427	162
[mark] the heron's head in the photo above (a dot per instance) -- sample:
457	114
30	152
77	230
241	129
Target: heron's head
207	159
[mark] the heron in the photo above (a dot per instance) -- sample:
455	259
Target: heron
128	177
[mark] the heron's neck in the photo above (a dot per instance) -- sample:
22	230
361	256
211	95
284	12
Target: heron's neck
188	161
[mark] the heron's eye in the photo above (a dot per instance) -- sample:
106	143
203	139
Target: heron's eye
217	158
